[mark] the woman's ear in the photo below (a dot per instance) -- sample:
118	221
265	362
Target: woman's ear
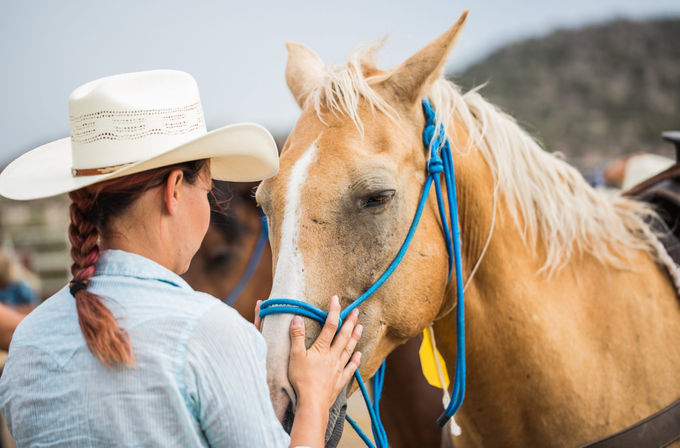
172	190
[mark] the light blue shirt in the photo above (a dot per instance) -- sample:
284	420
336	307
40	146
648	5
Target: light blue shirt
199	377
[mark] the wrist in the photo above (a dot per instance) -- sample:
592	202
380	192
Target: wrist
309	425
311	405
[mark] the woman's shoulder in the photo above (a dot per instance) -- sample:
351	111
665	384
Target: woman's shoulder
53	325
51	329
54	318
223	326
137	286
223	318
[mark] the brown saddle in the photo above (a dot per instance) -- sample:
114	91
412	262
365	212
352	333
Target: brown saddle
663	192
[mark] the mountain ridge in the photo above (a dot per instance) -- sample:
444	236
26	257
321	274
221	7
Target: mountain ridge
592	93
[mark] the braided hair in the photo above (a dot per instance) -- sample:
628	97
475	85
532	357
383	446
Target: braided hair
90	210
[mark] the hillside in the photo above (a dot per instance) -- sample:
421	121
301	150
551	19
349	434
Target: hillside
591	93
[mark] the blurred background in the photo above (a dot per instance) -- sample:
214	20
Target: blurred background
597	80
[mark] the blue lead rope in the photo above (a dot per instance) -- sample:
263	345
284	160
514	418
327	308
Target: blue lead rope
439	145
261	243
440	161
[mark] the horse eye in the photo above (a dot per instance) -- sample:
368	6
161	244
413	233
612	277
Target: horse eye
219	258
375	200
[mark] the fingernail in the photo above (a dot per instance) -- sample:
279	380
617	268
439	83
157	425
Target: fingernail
358	355
360	329
355	312
335	300
297	321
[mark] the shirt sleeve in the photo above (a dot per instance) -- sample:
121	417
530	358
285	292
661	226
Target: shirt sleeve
225	380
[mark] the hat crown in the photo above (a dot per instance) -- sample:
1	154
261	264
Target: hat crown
130	123
121	119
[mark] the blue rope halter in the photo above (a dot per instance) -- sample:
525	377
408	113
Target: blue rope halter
440	161
261	243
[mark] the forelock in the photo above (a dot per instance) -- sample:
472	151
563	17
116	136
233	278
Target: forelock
345	86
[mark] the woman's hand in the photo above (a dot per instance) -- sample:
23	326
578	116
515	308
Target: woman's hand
257	321
320	373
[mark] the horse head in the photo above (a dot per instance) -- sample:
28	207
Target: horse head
351	174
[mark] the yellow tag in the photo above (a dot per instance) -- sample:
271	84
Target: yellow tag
427	362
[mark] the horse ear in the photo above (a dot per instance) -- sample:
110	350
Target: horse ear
418	72
304	71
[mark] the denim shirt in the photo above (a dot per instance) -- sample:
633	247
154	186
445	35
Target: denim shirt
18	294
199	376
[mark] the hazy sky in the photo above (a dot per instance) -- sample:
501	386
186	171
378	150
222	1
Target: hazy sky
236	50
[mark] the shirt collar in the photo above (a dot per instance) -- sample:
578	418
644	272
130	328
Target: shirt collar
126	264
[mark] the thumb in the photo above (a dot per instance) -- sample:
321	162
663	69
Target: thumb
297	337
257	321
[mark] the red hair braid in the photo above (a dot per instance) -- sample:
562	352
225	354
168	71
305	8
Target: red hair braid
105	339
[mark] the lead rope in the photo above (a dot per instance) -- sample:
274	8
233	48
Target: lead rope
260	244
454	429
440	161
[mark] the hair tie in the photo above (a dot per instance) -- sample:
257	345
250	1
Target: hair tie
77	286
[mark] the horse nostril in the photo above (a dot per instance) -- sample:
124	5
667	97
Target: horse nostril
288	418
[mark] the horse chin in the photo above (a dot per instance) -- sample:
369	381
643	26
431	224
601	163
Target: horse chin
336	421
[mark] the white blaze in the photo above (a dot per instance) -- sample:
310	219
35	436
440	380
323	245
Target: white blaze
289	282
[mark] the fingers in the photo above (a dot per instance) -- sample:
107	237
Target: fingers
345	332
331	326
348	349
347	337
257	321
297	337
350	368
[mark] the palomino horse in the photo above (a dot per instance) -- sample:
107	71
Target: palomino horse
572	319
410	405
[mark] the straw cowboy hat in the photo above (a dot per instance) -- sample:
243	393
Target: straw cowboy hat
133	122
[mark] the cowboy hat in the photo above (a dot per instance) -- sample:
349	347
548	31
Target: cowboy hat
133	122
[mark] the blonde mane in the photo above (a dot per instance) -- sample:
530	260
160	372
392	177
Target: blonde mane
548	199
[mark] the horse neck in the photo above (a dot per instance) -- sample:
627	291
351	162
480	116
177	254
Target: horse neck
539	347
554	357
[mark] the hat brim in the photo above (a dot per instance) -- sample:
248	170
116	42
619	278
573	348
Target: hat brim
242	152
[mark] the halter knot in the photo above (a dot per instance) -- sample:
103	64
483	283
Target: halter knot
428	133
430	130
435	165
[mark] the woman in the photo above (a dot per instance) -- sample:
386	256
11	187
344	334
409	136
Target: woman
128	354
